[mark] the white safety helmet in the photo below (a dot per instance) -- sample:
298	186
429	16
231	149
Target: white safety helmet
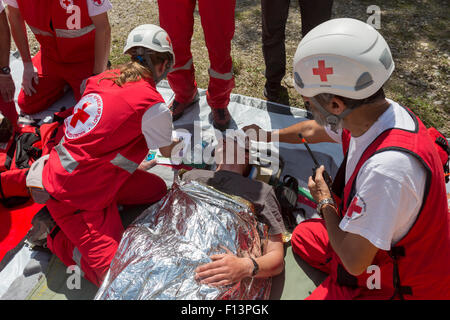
151	37
345	57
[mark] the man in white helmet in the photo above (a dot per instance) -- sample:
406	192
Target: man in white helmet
95	166
388	233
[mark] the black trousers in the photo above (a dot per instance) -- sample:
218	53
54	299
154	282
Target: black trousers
274	17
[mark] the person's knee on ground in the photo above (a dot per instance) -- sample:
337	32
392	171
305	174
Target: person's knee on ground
310	242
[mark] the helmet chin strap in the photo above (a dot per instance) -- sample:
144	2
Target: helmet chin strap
332	120
145	60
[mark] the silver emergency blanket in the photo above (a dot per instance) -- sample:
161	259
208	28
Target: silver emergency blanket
161	249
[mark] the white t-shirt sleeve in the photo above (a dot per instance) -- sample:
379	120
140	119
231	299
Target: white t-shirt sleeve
96	7
389	193
12	3
1	7
157	126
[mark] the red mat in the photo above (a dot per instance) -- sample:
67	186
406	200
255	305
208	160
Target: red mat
14	224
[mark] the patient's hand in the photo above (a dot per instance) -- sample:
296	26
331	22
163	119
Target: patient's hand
225	269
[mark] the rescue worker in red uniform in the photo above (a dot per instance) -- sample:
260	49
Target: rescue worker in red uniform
95	166
7	87
74	38
217	17
384	232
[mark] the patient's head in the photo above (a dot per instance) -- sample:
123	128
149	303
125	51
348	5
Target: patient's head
232	155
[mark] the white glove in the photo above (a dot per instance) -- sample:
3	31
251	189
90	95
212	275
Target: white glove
7	87
30	75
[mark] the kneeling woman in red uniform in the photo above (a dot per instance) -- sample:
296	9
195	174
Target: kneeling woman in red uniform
95	166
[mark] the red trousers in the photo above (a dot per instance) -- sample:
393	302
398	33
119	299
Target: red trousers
90	239
310	241
217	19
53	78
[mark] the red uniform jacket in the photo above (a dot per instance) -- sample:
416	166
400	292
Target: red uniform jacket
103	143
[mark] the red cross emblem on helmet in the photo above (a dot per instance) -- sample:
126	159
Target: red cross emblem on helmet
322	71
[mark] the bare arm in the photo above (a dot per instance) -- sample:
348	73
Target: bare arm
310	130
227	268
102	42
5	40
19	33
7	86
355	252
171	149
272	262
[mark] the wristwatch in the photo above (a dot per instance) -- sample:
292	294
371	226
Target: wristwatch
5	70
255	267
322	203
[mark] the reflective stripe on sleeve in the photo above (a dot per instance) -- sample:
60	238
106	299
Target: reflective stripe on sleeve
77	256
66	159
125	164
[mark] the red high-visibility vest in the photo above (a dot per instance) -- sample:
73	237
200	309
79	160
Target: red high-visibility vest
103	143
417	267
63	28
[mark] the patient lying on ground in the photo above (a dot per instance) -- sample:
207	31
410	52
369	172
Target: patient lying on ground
231	179
216	235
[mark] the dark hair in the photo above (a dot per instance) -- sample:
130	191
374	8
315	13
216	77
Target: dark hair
6	130
354	103
325	98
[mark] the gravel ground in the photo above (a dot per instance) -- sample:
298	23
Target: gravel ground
417	32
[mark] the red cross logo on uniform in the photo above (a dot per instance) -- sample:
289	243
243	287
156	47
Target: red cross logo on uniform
66	3
81	115
354	208
322	71
97	2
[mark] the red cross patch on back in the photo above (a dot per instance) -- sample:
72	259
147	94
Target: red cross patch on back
85	117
